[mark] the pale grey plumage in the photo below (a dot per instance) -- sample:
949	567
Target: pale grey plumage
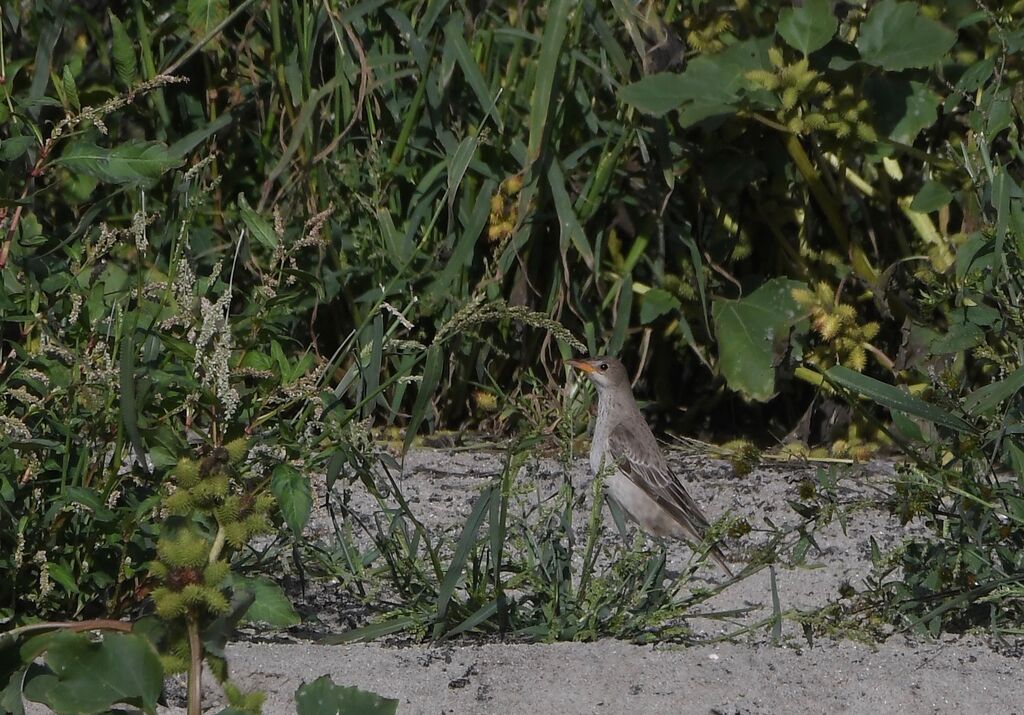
643	484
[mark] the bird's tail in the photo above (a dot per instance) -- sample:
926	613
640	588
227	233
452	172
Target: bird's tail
716	554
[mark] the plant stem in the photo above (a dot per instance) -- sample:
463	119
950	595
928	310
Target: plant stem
195	667
218	543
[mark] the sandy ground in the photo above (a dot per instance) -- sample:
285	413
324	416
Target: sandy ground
754	674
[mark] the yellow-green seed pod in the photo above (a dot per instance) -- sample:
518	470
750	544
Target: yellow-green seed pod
815	121
169	604
186	550
186	471
866	132
775	57
215	601
193	594
215	573
846	312
857	359
235	534
237	449
157	570
763	79
790	96
180	502
173	664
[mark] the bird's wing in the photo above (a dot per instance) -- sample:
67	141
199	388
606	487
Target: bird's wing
641	460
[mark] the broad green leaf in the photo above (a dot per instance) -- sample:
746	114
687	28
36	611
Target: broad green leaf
130	163
294	497
895	36
656	94
203	18
323	697
70	89
270	604
710	86
962	335
124	53
985	399
748	330
808	28
91	676
14	147
901	108
893	397
258	226
656	302
932	197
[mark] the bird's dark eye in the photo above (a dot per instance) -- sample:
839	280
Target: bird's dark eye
604	366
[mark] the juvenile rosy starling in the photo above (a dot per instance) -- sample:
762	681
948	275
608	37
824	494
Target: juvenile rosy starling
640	480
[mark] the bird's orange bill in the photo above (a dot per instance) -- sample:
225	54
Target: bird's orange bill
581	365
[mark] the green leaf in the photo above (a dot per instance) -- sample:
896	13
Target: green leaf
270	604
902	108
130	163
893	398
453	35
191	140
67	80
571	230
258	226
91	676
748	331
656	94
204	16
985	399
14	147
431	376
808	28
467	540
961	336
555	27
656	302
323	697
895	36
294	496
932	197
711	85
124	53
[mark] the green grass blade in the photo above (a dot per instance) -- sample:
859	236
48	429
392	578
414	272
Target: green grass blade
987	398
431	377
456	568
547	71
371	632
892	397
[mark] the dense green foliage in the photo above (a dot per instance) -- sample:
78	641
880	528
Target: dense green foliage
292	222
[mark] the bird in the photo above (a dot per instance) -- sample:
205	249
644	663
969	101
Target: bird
641	481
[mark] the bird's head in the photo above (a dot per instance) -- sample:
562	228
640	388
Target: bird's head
605	372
